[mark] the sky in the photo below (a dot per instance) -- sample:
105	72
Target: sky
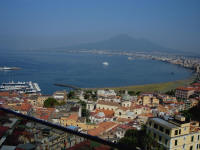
34	24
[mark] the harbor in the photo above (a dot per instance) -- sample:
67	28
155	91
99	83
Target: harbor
21	87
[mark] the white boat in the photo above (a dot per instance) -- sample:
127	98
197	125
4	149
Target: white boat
130	58
9	68
105	63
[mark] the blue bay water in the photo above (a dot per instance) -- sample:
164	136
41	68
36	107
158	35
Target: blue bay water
85	70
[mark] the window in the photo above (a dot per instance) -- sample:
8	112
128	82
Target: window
161	129
179	131
160	138
183	145
166	141
155	126
192	138
197	146
167	131
191	147
150	123
176	142
154	135
198	137
176	132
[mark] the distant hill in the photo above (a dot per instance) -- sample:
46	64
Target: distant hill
122	42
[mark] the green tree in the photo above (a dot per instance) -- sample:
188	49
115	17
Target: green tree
50	102
139	138
83	104
192	113
171	92
71	95
86	95
132	93
138	92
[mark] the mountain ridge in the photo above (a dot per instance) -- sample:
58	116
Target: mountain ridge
122	42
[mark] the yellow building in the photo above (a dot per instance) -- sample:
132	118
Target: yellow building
107	105
147	100
41	99
72	120
176	134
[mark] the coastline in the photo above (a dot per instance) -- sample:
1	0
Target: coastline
161	87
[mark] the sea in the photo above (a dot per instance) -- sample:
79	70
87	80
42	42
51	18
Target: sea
85	70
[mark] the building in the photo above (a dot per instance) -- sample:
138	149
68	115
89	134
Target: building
175	134
109	94
60	96
41	99
184	92
148	100
73	120
90	105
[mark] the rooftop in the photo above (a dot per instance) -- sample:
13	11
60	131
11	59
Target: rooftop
164	123
38	125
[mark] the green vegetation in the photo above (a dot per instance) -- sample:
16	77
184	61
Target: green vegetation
161	87
85	112
90	94
50	102
192	113
139	138
170	92
71	95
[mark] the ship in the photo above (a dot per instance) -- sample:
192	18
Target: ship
9	68
105	63
21	87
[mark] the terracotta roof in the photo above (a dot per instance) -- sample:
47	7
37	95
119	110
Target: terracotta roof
8	94
125	127
102	127
185	88
147	115
123	119
196	84
25	107
73	116
108	103
108	113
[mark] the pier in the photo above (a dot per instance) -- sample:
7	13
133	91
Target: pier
67	85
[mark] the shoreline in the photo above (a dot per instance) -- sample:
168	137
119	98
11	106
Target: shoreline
161	87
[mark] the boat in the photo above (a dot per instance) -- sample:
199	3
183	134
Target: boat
21	87
9	68
105	63
130	58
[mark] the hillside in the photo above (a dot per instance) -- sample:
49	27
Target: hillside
122	42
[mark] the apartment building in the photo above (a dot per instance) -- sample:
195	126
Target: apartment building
175	134
184	92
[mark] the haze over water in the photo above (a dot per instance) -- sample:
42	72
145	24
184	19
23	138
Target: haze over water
86	70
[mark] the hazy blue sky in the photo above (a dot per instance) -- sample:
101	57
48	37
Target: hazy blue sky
52	23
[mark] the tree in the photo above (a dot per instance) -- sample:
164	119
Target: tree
139	138
138	92
192	113
50	102
71	94
171	92
83	104
86	96
132	93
